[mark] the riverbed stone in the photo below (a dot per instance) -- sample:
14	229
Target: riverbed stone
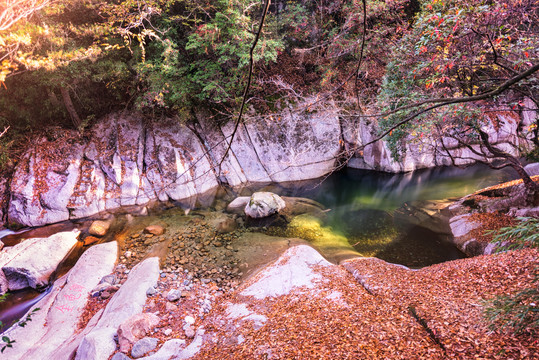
226	226
143	346
154	230
33	267
97	345
89	240
99	228
134	328
119	356
127	301
263	204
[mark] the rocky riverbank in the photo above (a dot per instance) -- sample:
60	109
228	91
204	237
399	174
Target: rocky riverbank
126	160
299	306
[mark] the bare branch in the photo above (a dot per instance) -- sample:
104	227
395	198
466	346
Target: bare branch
12	11
249	79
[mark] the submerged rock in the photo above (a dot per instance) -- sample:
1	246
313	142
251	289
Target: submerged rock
154	230
99	228
263	204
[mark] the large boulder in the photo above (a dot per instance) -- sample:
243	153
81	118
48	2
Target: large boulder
125	303
61	309
36	259
263	204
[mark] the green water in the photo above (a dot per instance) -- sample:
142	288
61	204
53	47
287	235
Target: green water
370	212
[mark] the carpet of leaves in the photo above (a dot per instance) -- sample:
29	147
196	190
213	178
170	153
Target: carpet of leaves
361	310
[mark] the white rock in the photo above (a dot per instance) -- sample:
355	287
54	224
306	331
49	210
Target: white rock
292	270
97	345
61	309
262	204
33	266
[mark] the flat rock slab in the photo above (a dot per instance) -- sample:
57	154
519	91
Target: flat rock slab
367	308
58	317
33	266
292	270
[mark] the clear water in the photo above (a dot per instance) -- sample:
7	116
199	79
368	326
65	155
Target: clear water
369	212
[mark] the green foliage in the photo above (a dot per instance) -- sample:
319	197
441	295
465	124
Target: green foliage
8	342
519	311
204	62
458	49
525	234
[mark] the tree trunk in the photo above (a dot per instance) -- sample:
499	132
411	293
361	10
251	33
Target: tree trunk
70	107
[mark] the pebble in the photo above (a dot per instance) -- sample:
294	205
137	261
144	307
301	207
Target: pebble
105	295
173	295
189	320
143	346
167	332
151	291
189	332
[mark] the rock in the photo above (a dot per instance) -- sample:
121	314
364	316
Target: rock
143	346
173	295
99	228
58	320
168	350
226	226
238	205
119	356
189	320
532	169
151	291
97	346
189	331
154	230
292	270
135	328
105	295
167	332
461	225
39	260
88	240
129	300
100	287
263	204
1	244
109	279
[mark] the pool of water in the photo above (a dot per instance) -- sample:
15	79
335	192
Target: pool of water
379	214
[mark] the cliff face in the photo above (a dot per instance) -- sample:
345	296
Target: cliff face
124	160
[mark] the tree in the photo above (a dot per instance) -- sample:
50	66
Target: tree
466	54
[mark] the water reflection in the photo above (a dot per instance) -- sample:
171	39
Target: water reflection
384	214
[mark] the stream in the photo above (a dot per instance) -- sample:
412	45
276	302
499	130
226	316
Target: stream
398	218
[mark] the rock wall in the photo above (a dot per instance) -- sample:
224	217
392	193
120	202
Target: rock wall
125	160
508	130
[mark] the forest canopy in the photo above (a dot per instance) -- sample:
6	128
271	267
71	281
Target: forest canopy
67	62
